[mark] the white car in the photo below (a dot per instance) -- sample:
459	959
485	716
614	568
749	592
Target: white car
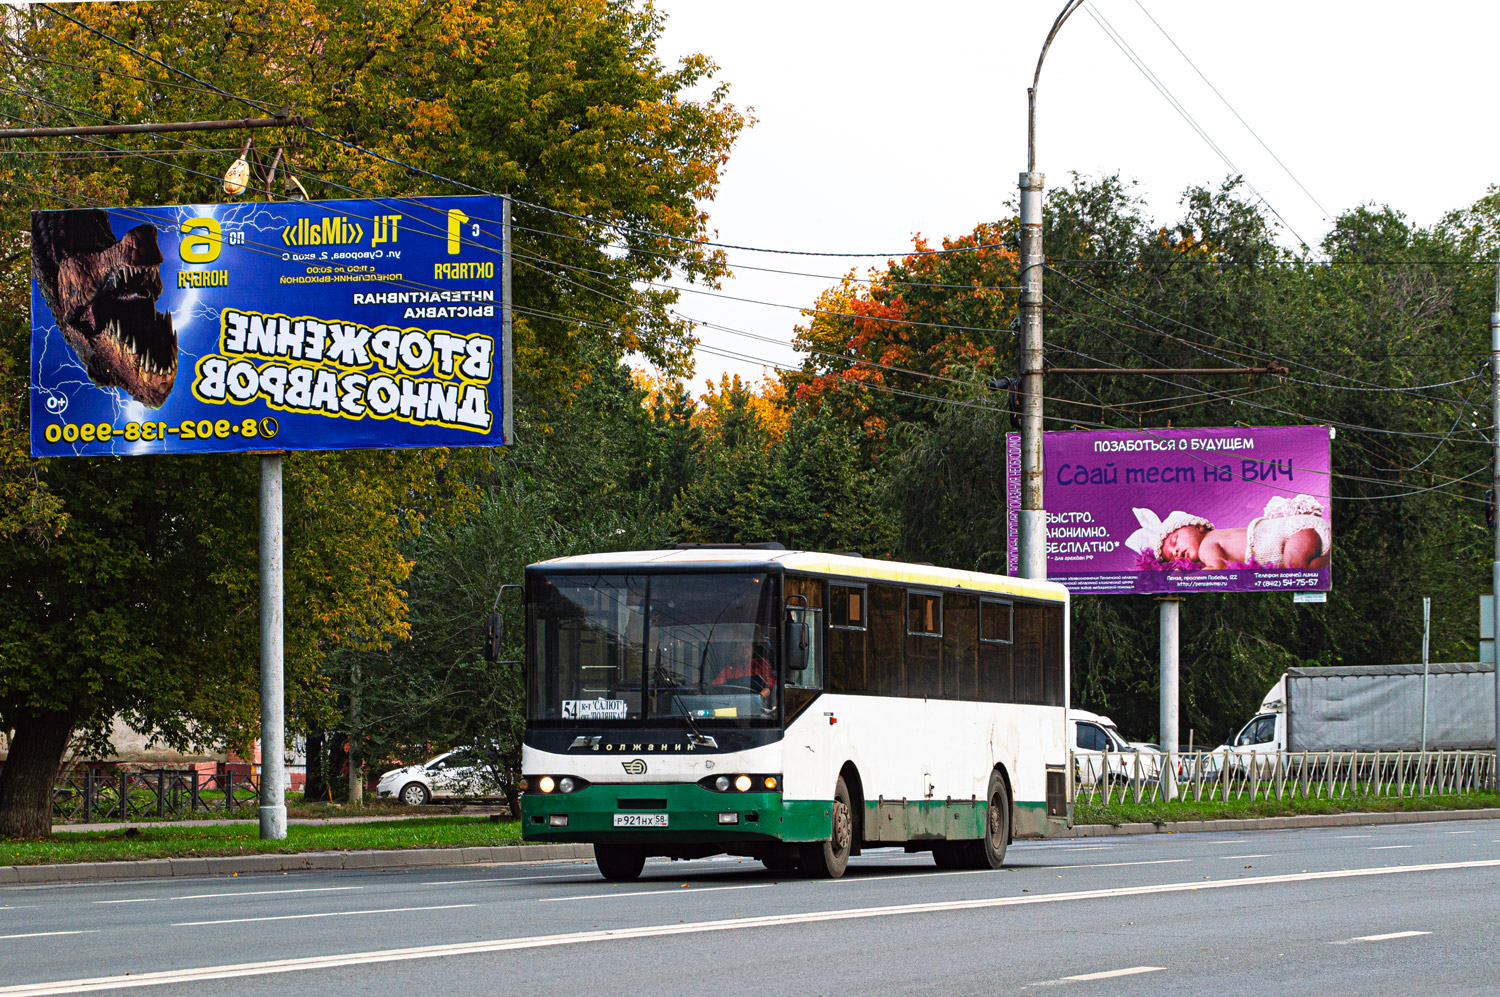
454	773
1098	746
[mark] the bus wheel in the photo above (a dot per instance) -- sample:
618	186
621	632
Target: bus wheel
620	863
989	851
828	859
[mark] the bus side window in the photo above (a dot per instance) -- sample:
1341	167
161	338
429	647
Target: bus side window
886	665
810	677
960	627
1030	636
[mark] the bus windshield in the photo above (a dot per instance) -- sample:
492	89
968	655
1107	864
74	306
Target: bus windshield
674	649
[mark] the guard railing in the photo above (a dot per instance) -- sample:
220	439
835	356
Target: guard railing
1149	777
88	794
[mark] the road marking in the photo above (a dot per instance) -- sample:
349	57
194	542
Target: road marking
45	934
1354	835
232	893
1113	865
1228	857
577	877
981	872
1108	974
300	917
1381	938
1386	848
697	927
652	893
1463	832
262	893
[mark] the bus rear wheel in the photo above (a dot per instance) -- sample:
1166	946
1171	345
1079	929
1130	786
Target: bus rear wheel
620	863
989	851
828	859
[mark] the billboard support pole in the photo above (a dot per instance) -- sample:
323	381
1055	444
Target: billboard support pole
1426	635
272	689
1495	491
1171	619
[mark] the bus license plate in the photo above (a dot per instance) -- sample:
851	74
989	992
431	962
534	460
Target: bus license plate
640	820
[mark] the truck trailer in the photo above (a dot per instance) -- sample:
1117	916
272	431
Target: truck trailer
1373	708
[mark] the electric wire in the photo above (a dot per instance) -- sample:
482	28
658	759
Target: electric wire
1139	63
1241	120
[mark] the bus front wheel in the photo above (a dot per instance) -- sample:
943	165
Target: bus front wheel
828	859
620	863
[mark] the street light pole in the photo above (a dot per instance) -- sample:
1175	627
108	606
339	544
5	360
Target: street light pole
1032	526
1495	492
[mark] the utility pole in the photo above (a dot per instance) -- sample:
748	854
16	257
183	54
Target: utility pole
1495	490
1426	633
1031	532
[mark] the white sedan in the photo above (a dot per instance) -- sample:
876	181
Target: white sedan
454	773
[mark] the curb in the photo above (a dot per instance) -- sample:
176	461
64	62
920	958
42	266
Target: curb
1275	823
227	865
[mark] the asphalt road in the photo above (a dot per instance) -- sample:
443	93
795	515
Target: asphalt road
1392	909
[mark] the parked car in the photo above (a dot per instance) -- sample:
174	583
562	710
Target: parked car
1098	746
453	773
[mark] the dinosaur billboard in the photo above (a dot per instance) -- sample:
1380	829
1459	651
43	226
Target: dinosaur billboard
293	325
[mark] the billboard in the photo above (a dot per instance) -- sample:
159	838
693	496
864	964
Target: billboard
1183	510
294	325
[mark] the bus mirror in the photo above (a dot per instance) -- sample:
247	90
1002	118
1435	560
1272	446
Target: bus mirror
494	634
796	646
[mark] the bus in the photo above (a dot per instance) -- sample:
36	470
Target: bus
790	706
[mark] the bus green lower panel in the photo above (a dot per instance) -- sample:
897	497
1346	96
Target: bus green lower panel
692	813
897	821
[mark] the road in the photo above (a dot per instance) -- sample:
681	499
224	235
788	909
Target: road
1391	909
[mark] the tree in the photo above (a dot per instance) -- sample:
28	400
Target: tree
131	584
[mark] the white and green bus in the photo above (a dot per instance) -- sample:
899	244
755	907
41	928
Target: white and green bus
790	706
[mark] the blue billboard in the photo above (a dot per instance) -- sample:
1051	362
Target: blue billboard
293	325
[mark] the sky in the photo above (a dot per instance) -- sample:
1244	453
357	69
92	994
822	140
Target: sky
880	120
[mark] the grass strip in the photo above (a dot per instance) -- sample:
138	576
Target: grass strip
243	839
1165	813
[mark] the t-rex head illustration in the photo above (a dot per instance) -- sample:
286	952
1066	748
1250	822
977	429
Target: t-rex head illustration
102	292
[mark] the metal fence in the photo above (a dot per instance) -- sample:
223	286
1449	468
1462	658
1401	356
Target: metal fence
1151	777
100	794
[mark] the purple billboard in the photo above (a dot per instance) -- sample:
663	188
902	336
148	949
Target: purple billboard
1183	510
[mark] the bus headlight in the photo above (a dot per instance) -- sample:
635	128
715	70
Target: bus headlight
722	783
742	783
565	784
545	784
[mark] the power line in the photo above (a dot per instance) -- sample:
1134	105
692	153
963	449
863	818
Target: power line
1190	62
1139	63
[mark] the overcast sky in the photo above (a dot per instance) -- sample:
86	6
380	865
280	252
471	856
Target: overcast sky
878	120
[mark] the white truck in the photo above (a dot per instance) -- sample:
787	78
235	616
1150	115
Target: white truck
1370	708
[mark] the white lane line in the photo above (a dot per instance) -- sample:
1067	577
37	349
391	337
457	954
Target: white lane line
1353	836
1113	865
1462	832
225	972
576	877
653	893
1381	938
301	917
46	934
232	893
1386	848
980	872
1108	974
1227	858
263	893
